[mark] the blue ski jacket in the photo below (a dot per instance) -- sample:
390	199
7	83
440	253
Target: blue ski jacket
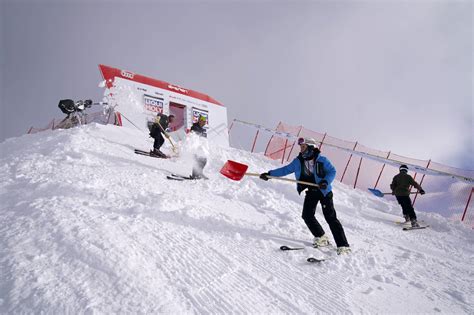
323	170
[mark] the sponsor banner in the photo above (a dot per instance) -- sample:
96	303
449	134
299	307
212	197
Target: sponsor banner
199	112
152	104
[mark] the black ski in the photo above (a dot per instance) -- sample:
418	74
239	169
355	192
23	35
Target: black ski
179	177
148	153
310	259
407	222
182	177
408	228
290	248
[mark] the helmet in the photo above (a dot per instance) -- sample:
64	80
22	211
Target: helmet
202	118
307	141
403	168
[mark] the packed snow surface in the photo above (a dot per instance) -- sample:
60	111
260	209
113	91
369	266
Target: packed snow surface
88	226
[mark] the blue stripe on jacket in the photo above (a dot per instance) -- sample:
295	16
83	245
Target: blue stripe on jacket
295	167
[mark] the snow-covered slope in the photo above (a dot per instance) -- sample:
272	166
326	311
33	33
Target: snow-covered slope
87	225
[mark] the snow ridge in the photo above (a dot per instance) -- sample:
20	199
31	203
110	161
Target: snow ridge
88	226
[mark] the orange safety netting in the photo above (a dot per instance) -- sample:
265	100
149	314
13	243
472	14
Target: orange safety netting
447	196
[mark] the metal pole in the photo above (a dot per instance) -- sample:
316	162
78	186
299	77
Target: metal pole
421	182
357	175
383	166
293	145
231	125
324	137
350	157
268	144
467	204
284	151
254	141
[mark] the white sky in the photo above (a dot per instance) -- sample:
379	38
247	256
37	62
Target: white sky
393	75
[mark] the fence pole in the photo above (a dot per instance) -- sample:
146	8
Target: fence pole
230	128
268	144
254	141
284	151
297	136
350	157
467	204
383	166
324	137
357	175
421	182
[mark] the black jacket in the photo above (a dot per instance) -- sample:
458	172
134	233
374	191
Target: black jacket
199	130
156	129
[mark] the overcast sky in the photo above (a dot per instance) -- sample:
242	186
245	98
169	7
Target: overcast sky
393	75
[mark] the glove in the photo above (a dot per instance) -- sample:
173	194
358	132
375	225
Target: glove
323	184
422	192
264	176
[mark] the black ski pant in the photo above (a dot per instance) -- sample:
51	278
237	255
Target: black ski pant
407	208
159	140
309	209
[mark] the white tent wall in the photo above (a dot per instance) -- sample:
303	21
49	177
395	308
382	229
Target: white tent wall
138	103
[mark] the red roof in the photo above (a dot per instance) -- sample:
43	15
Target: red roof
109	74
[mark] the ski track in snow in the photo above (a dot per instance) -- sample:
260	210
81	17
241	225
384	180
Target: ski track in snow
88	226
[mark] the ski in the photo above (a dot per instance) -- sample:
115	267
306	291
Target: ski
310	259
148	153
406	222
179	177
408	228
290	248
182	177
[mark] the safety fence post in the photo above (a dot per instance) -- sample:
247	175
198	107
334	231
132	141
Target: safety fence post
357	175
254	141
297	136
230	128
421	182
284	151
467	204
324	137
350	157
269	141
383	166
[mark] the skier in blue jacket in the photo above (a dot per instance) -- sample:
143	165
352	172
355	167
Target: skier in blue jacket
310	166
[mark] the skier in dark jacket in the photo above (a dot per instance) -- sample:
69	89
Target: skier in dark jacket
401	189
157	129
311	166
199	161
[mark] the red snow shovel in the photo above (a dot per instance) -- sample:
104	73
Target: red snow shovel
235	171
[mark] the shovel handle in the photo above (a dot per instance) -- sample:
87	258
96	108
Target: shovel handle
285	179
412	192
167	136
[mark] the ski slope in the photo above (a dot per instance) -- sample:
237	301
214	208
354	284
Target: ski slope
88	226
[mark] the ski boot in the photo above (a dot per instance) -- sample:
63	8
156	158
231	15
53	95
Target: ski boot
414	223
321	241
343	250
407	219
158	153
